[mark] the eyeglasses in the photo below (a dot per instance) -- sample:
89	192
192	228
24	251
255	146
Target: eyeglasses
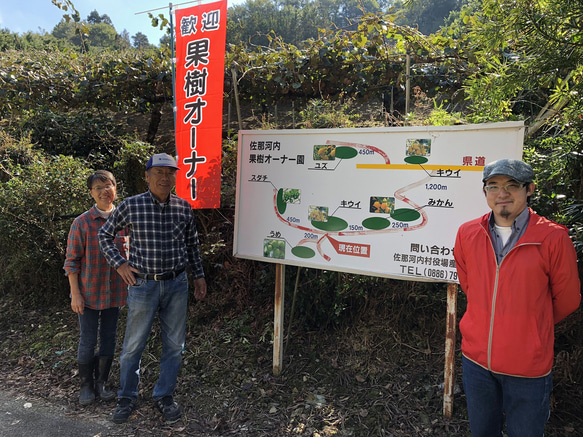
101	189
510	188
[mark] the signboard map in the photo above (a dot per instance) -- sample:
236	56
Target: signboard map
375	201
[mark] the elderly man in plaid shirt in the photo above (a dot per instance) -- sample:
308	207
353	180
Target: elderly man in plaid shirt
97	291
163	242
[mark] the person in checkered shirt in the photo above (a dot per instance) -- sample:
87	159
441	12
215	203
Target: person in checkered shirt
164	242
97	290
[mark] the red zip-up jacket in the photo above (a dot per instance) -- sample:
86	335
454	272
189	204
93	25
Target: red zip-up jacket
508	326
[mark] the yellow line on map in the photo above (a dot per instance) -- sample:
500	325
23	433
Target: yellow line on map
420	167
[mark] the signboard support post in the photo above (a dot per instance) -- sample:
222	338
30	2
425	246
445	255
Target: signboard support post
448	382
278	319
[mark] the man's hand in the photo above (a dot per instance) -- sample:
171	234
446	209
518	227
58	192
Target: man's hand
200	288
77	303
127	273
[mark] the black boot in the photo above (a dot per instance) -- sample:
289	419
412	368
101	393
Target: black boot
87	392
102	367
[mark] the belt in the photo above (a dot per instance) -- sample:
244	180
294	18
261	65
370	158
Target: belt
160	276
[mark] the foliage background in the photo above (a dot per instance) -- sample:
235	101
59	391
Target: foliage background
71	102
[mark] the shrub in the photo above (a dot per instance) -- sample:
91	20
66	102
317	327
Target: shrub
130	166
321	113
39	196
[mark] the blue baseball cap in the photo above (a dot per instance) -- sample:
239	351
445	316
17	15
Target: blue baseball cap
161	160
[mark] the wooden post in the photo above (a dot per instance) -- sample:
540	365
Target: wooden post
278	319
448	381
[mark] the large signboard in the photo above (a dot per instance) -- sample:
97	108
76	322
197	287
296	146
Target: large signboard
376	201
200	60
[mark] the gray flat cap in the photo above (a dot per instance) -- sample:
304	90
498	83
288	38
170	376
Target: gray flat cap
513	168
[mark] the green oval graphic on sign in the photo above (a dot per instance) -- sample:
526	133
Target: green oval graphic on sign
416	160
303	252
376	223
406	214
333	224
281	205
344	152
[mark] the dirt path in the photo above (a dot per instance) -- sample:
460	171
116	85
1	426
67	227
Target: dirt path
23	417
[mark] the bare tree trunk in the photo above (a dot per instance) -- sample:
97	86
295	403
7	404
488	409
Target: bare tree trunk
155	118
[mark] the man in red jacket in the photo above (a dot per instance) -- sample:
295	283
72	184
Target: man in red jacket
519	273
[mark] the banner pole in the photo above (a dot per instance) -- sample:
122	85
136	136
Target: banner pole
173	62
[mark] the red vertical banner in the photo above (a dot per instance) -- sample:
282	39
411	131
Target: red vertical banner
200	65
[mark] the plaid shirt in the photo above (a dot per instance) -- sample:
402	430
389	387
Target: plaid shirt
163	236
100	285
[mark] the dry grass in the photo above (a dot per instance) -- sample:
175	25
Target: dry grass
374	371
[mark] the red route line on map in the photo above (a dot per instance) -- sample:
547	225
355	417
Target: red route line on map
361	146
398	194
279	216
320	250
318	245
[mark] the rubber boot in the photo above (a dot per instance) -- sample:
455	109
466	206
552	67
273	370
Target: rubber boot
87	392
102	368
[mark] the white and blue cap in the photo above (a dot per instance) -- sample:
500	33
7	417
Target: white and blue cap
513	168
161	160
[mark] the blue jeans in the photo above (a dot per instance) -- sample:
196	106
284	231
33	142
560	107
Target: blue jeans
146	298
92	321
526	402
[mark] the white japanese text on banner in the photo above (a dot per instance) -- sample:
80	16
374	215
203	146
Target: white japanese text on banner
200	61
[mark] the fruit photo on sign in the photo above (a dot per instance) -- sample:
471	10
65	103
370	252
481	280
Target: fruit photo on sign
325	152
382	205
318	213
273	248
418	147
291	195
